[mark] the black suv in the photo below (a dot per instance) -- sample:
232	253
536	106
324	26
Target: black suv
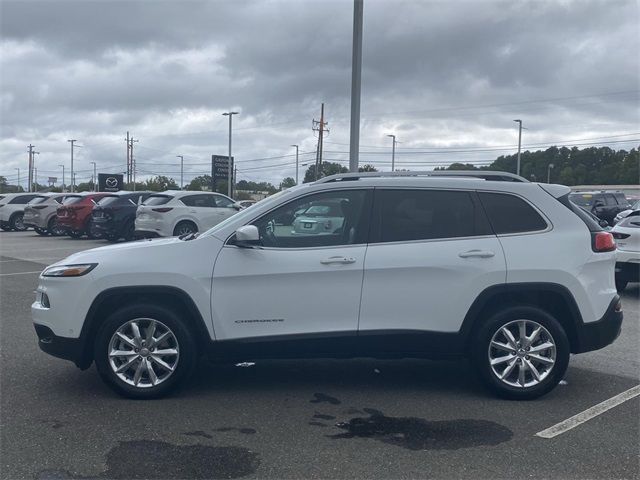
114	216
603	204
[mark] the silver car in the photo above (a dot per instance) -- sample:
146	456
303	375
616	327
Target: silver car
40	213
321	218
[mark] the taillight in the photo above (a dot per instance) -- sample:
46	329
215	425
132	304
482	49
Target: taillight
620	236
603	242
163	209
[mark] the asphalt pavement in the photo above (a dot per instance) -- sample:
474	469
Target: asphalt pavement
358	418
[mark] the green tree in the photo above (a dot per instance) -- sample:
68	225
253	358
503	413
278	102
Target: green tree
328	168
160	183
202	182
367	168
287	183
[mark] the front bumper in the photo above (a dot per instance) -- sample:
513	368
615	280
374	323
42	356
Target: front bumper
61	347
599	334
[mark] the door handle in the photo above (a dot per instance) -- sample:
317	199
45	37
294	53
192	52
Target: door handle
476	253
338	259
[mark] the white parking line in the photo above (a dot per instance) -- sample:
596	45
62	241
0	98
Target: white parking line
17	273
28	259
589	413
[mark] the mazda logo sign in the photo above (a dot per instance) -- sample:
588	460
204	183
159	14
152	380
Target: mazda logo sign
111	182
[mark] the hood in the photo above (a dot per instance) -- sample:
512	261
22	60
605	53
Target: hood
122	249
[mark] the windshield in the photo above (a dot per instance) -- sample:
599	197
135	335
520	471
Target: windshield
582	199
71	200
104	201
157	200
636	206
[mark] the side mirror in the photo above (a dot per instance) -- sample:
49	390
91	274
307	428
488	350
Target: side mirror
247	236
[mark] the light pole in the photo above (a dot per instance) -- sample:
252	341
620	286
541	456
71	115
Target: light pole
549	172
297	164
393	153
18	176
72	176
93	179
356	81
181	170
62	165
230	172
519	122
35	180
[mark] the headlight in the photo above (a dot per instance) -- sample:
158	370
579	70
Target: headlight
69	270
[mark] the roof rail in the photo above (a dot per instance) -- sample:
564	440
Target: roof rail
484	174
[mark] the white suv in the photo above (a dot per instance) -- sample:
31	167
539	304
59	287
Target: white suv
175	213
12	210
508	273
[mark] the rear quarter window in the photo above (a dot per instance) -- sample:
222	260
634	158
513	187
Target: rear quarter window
510	214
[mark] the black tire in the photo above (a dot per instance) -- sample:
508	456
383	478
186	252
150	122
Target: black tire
75	234
6	228
41	231
111	237
185	227
129	232
621	284
15	222
53	227
92	233
186	346
480	352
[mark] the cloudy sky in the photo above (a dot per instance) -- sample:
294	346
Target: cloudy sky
447	77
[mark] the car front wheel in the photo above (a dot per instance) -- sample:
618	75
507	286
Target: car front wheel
521	353
144	351
16	222
184	228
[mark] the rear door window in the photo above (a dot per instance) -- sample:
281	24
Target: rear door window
198	201
406	215
222	202
510	214
22	199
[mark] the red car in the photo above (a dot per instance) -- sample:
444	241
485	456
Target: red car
74	216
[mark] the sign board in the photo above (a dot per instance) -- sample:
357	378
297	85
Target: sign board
110	182
220	167
53	180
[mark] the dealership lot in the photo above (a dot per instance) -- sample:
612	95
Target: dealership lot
291	419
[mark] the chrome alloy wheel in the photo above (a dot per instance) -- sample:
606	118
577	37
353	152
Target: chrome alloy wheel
143	352
522	353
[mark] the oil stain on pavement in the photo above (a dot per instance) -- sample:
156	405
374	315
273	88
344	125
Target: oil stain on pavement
160	460
419	434
323	398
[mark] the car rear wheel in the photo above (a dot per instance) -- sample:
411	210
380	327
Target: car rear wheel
41	231
129	231
92	232
621	284
54	228
521	353
144	351
184	227
16	222
75	233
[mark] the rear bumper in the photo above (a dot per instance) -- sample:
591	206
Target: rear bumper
599	334
628	271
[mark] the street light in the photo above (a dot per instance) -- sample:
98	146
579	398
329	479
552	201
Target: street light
62	165
549	172
297	166
181	170
230	172
72	175
93	179
393	153
519	122
18	176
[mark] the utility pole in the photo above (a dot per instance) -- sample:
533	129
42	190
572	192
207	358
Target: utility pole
62	165
235	172
132	160
128	159
230	169
297	164
549	172
18	176
519	122
320	127
30	175
33	163
356	80
35	186
72	175
393	153
93	179
181	170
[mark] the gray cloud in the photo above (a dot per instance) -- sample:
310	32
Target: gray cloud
437	73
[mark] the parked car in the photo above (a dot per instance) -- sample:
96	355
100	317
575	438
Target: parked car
624	213
603	223
114	216
12	210
508	273
182	212
40	213
246	203
627	235
321	218
74	215
603	204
